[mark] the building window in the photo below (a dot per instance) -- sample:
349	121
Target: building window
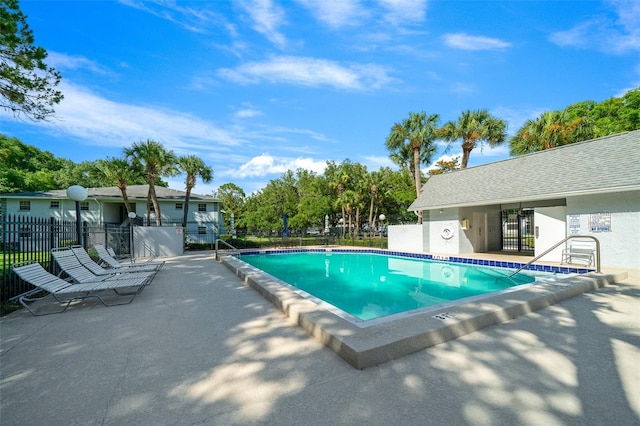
54	204
84	205
202	207
25	206
202	229
178	206
152	209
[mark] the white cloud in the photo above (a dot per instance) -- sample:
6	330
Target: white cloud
403	12
267	17
265	164
247	113
335	13
375	162
320	137
607	34
338	14
444	157
516	117
195	19
87	116
462	88
469	42
60	61
309	72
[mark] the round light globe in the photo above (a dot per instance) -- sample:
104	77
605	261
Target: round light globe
132	215
382	217
77	193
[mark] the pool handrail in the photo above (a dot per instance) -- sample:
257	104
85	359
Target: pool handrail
598	270
235	250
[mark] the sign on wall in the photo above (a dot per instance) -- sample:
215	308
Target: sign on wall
574	224
600	222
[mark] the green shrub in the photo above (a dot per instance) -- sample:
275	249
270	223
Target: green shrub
9	307
240	243
197	246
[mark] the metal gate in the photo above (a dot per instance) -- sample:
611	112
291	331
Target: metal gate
517	230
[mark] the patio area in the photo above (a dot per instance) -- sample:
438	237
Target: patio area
200	347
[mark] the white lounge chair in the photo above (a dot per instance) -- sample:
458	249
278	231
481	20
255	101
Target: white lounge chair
66	292
116	256
87	262
70	265
112	262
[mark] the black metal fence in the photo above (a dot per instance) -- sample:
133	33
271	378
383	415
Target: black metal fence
24	238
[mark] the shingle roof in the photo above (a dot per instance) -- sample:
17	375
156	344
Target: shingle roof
607	164
134	192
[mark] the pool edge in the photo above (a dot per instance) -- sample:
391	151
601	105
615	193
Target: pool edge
367	347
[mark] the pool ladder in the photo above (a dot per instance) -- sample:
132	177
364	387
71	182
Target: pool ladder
234	249
558	245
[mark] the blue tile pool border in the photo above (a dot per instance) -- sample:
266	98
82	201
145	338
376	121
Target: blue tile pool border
445	258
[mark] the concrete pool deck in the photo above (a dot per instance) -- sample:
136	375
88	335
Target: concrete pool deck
200	347
364	344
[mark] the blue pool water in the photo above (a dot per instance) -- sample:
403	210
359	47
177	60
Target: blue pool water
369	286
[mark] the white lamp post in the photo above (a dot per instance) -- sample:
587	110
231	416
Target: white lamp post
132	215
78	194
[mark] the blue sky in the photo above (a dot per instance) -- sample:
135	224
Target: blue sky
257	87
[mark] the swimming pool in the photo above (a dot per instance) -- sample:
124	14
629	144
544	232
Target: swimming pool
365	343
373	285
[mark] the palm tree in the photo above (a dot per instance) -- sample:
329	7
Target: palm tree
157	162
415	134
120	171
193	167
403	157
348	201
373	203
474	127
550	130
338	176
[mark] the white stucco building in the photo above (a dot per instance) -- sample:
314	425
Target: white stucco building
529	203
105	206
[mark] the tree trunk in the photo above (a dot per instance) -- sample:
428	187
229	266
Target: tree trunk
148	208
125	198
467	146
156	207
416	165
465	158
416	168
371	214
375	216
186	207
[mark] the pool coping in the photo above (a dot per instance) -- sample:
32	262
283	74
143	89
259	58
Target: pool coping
379	343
